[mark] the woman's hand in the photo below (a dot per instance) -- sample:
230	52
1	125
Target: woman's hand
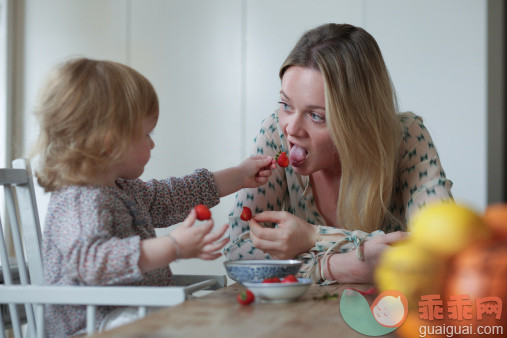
346	268
292	237
373	248
197	241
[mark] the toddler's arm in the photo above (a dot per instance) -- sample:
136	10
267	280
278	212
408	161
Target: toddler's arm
251	173
187	241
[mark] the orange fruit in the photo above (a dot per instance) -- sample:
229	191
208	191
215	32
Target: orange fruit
495	217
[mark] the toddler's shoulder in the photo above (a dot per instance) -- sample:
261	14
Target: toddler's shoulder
77	197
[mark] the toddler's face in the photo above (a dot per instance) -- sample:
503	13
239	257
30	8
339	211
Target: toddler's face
133	163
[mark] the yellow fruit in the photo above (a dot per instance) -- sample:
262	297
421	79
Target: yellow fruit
447	228
410	269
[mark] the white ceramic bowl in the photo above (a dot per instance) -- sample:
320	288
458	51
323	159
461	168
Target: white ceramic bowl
258	270
278	292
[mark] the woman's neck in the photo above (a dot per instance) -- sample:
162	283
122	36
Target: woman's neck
326	189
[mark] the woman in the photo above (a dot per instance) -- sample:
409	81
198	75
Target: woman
359	169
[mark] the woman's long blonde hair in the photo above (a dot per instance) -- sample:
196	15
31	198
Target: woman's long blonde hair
361	112
88	111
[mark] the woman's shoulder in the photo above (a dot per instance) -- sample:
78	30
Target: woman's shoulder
270	123
407	119
270	135
412	125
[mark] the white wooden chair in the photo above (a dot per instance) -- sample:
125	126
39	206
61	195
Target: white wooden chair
23	281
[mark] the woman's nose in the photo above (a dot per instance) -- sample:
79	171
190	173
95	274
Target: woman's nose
295	124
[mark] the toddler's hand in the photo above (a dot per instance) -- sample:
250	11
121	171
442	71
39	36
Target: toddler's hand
198	241
256	170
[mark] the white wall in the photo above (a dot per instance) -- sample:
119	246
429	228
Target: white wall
436	53
214	65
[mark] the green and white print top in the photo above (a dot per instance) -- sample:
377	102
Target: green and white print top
421	180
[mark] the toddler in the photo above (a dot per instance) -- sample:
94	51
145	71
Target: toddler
96	119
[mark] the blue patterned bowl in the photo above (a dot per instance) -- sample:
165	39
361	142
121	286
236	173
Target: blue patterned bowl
258	270
278	292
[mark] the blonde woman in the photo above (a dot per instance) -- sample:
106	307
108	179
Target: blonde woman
96	118
359	169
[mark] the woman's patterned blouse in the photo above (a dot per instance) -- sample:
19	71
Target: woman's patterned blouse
92	236
421	180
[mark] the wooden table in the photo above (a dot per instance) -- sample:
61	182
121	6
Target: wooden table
219	314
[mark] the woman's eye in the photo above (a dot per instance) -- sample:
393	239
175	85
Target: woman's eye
316	117
285	106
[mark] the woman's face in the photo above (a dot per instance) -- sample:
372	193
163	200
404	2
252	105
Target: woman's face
302	118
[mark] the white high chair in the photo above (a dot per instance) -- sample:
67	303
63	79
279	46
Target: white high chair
22	282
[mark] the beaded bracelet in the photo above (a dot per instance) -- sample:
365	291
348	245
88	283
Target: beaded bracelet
177	247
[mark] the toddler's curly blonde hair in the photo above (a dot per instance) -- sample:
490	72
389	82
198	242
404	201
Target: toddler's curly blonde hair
89	111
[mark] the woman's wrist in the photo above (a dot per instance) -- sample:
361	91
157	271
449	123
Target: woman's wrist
315	237
346	268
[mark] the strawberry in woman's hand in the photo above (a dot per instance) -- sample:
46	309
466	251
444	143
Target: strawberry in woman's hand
203	212
246	215
282	159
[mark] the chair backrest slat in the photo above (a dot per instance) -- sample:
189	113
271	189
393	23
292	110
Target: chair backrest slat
16	236
30	225
9	176
20	253
23	220
7	279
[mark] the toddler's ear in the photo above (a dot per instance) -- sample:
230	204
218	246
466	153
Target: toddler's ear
108	147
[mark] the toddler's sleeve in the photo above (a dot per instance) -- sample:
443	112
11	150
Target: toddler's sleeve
170	200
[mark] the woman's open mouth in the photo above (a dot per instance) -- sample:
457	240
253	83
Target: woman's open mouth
297	155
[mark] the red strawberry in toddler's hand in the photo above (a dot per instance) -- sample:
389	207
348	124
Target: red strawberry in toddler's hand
203	212
282	159
246	214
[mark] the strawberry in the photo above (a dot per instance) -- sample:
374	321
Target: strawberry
246	297
271	280
203	212
290	279
282	159
246	215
